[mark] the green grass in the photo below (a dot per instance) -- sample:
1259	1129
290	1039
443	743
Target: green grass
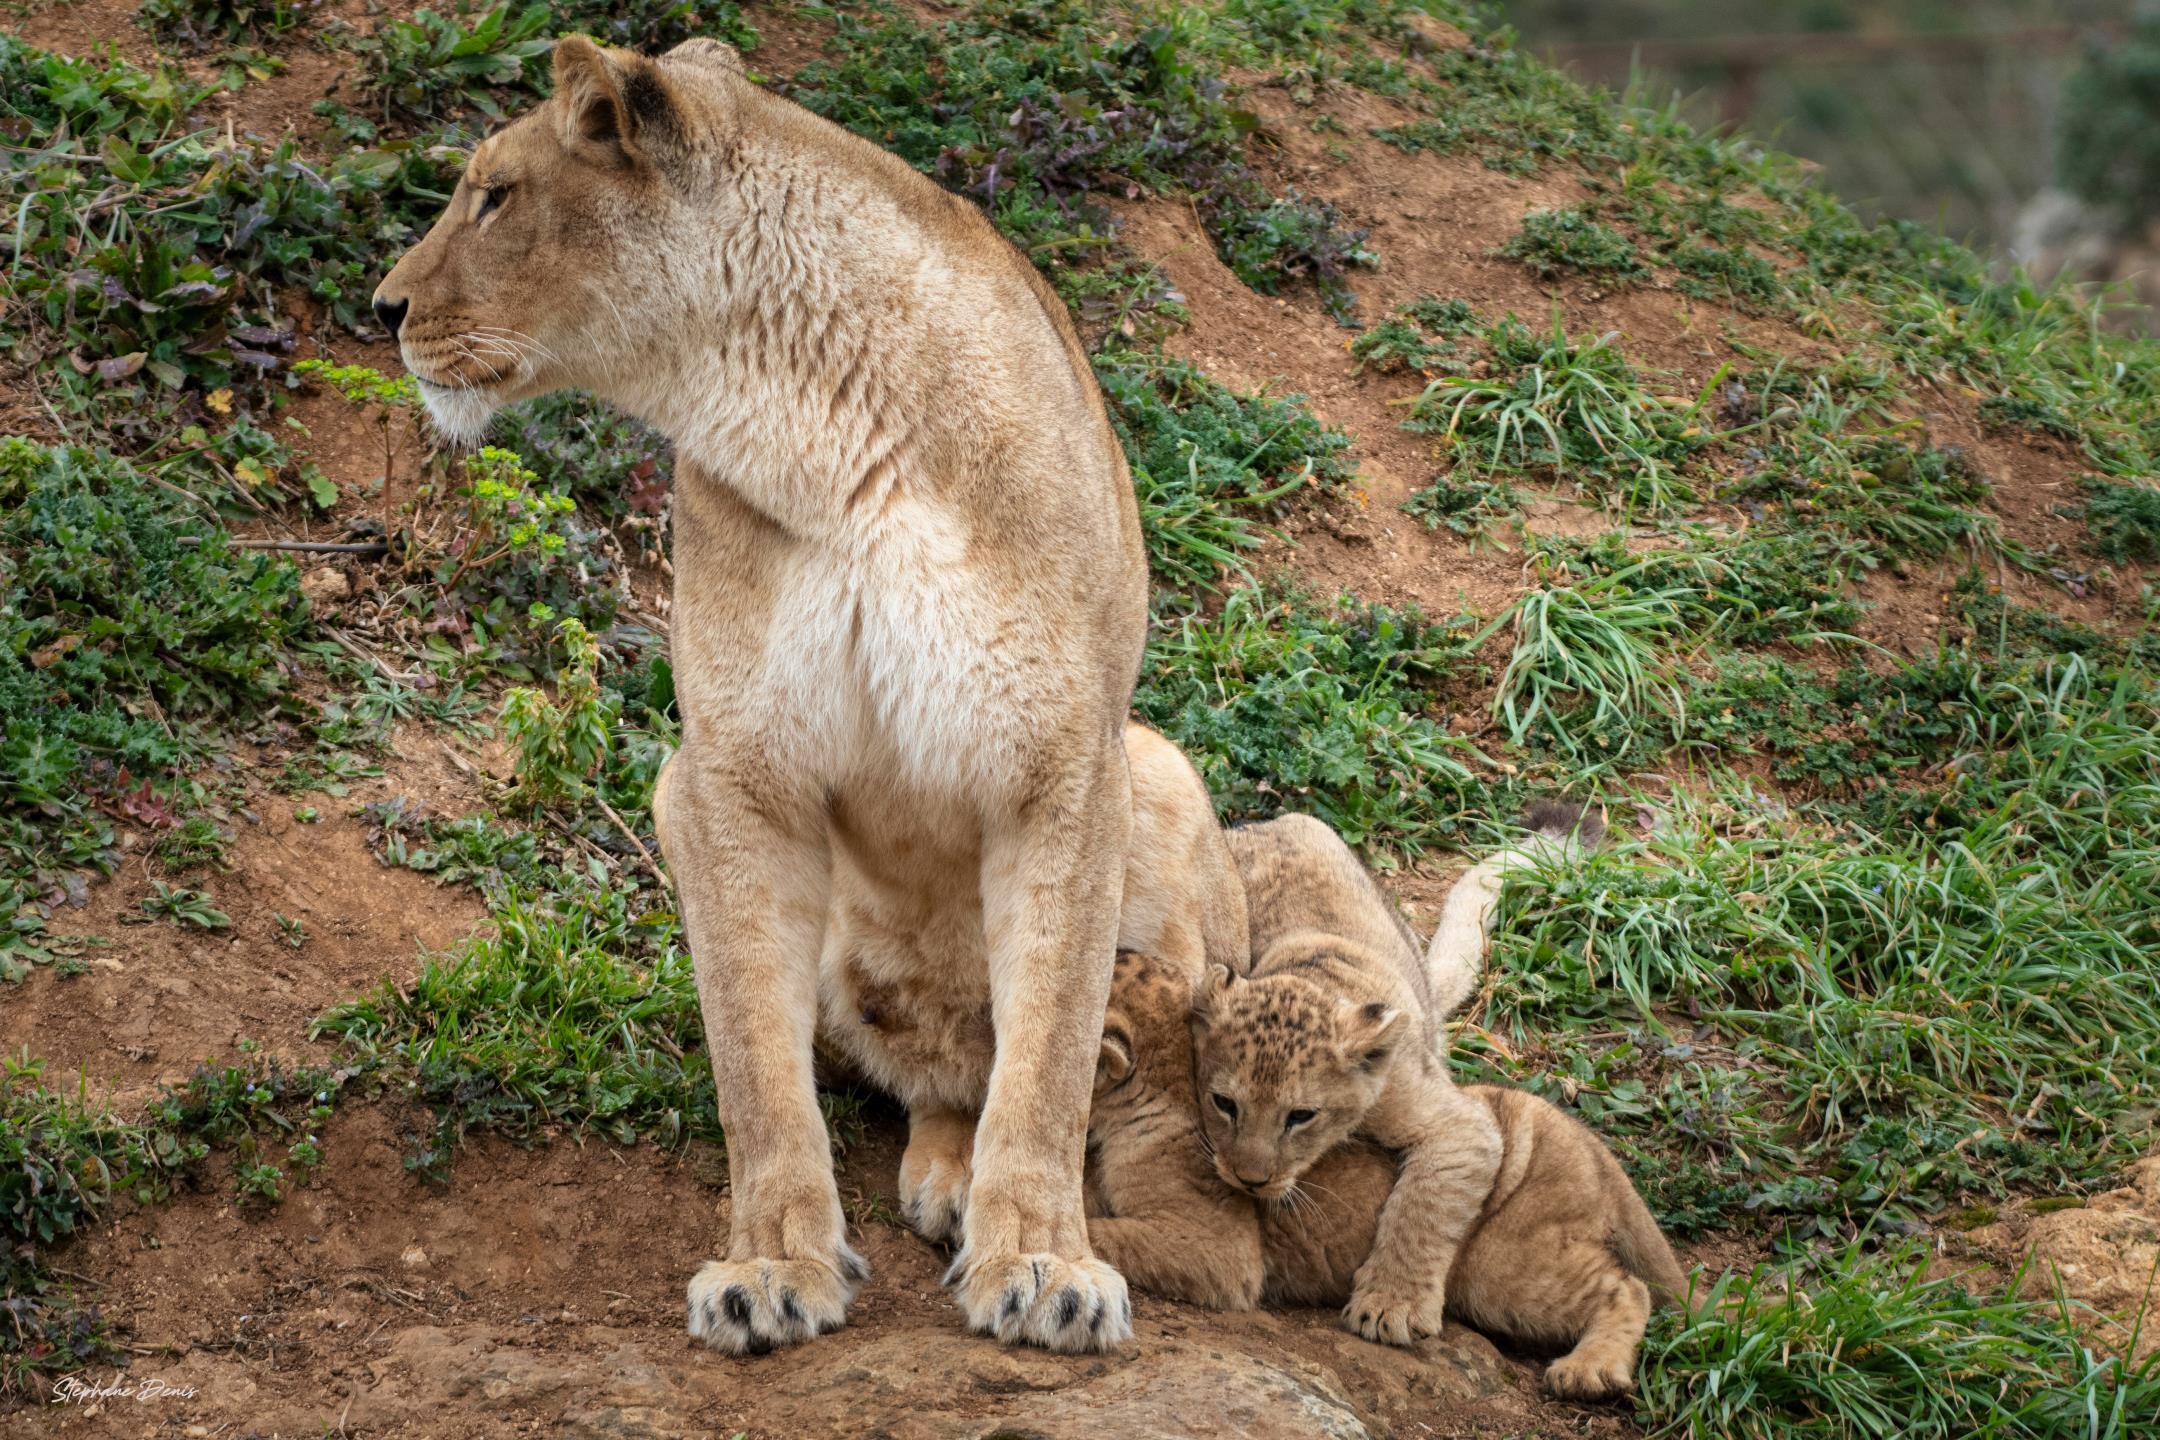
122	647
2124	518
1874	1345
1568	405
579	1012
1035	111
65	1161
1209	464
1552	242
1286	703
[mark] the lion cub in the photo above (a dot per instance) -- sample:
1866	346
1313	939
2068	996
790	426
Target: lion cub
1564	1253
1559	1249
1336	1032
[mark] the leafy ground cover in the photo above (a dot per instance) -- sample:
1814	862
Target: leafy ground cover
1873	947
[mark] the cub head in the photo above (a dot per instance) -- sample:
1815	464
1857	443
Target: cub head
539	275
1284	1071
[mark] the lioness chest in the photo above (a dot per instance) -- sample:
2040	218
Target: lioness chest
906	688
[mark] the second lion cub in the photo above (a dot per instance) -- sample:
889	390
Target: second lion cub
1336	1033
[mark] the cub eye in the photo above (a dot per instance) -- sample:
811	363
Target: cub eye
491	199
1225	1104
1296	1118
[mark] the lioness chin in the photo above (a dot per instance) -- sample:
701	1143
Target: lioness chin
910	602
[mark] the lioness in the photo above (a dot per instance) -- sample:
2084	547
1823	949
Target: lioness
910	603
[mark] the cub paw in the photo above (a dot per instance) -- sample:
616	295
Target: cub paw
749	1307
1588	1378
1071	1306
1392	1315
933	1196
1592	1377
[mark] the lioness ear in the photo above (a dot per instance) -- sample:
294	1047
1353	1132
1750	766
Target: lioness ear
613	98
703	50
1367	1034
1115	1061
1211	988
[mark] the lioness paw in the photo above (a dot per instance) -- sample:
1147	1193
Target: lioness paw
1589	1377
748	1307
1071	1306
1395	1315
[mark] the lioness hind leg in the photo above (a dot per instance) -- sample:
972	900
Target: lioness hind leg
936	1170
1052	875
754	898
1602	1364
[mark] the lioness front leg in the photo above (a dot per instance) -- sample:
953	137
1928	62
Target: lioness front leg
1451	1152
935	1171
754	896
1052	880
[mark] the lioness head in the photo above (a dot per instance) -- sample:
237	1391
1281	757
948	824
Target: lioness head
1285	1070
539	275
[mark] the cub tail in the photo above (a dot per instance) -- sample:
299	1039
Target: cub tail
1454	961
1642	1247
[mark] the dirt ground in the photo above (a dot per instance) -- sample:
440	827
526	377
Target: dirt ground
541	1291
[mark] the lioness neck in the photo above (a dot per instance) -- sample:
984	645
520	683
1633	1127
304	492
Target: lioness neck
842	333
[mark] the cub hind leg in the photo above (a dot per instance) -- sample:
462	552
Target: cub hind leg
1613	1317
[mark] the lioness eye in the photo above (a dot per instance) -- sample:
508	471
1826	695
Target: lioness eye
1225	1104
1298	1117
491	199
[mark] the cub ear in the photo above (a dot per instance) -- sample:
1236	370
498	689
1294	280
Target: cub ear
1214	984
612	98
703	50
1114	1064
1366	1035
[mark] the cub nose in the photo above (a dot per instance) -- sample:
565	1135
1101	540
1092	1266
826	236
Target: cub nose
1251	1182
392	314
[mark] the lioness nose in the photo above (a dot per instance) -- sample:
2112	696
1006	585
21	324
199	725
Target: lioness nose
392	314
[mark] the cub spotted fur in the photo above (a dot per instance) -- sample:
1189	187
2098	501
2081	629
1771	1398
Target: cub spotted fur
910	603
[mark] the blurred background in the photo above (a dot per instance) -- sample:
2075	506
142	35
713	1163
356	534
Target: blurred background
2028	129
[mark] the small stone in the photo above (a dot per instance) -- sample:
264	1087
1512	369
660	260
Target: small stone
414	1258
324	585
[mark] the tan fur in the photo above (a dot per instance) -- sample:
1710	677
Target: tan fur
1335	1034
1561	1253
910	602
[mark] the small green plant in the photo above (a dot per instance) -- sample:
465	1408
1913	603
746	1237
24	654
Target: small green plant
197	840
290	930
434	65
1466	507
561	743
2124	519
359	386
200	23
184	907
1553	241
